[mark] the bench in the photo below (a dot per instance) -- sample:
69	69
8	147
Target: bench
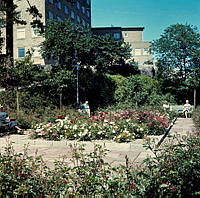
178	109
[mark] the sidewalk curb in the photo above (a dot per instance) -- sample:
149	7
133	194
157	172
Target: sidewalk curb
166	132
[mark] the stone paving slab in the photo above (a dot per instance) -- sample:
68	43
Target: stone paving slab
56	150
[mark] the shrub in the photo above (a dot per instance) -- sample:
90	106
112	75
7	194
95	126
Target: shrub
138	90
173	172
196	117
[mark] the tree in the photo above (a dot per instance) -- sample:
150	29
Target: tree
175	49
67	42
139	90
176	56
9	17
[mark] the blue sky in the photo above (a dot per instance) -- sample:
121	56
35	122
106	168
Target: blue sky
154	15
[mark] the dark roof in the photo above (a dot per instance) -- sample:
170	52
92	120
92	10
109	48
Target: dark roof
119	28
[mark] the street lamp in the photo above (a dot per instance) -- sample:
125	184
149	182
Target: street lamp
77	68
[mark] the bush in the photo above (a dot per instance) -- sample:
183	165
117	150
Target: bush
138	90
120	126
196	117
173	172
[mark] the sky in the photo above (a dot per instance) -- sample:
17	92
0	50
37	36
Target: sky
154	15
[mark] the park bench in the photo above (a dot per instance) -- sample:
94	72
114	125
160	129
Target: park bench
178	109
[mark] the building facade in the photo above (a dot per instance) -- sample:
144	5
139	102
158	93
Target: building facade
134	37
26	37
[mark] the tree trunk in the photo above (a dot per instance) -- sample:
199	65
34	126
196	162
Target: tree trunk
195	98
9	32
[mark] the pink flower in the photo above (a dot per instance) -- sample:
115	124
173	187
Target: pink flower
55	134
42	133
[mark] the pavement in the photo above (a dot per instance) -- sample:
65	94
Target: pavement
117	152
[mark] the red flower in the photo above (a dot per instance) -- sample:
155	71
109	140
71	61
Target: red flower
59	117
72	121
100	113
65	182
163	182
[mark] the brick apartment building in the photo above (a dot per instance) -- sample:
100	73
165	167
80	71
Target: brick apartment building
133	36
26	37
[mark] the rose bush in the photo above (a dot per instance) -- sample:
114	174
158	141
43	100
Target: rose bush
121	126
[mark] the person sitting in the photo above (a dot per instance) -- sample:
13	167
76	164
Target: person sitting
166	106
6	121
85	108
187	108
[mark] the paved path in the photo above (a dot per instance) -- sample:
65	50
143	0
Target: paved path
55	150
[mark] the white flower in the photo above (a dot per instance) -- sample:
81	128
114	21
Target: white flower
113	131
138	130
86	130
75	127
141	129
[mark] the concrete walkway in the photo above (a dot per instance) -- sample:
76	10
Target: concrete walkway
56	150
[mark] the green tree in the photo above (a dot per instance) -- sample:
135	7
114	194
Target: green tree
109	53
175	52
139	90
9	16
66	42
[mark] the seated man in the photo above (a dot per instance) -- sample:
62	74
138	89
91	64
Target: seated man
85	108
5	121
187	108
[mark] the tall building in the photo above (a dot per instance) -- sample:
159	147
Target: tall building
26	37
134	37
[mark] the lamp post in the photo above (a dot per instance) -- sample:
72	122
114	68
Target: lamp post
77	68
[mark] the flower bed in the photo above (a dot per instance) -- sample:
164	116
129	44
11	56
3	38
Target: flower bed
118	126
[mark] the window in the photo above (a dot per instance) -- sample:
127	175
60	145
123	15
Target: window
35	32
83	10
72	15
50	15
21	33
66	10
36	51
58	4
78	19
50	1
125	34
88	13
21	52
117	35
145	51
19	15
138	52
78	5
58	18
83	22
2	23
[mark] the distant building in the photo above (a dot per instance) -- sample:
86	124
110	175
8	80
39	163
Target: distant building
26	37
134	37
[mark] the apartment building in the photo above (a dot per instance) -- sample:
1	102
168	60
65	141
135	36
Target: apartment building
26	37
134	37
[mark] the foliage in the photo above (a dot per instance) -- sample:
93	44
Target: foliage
119	126
196	117
138	90
22	74
173	172
177	55
70	43
175	51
